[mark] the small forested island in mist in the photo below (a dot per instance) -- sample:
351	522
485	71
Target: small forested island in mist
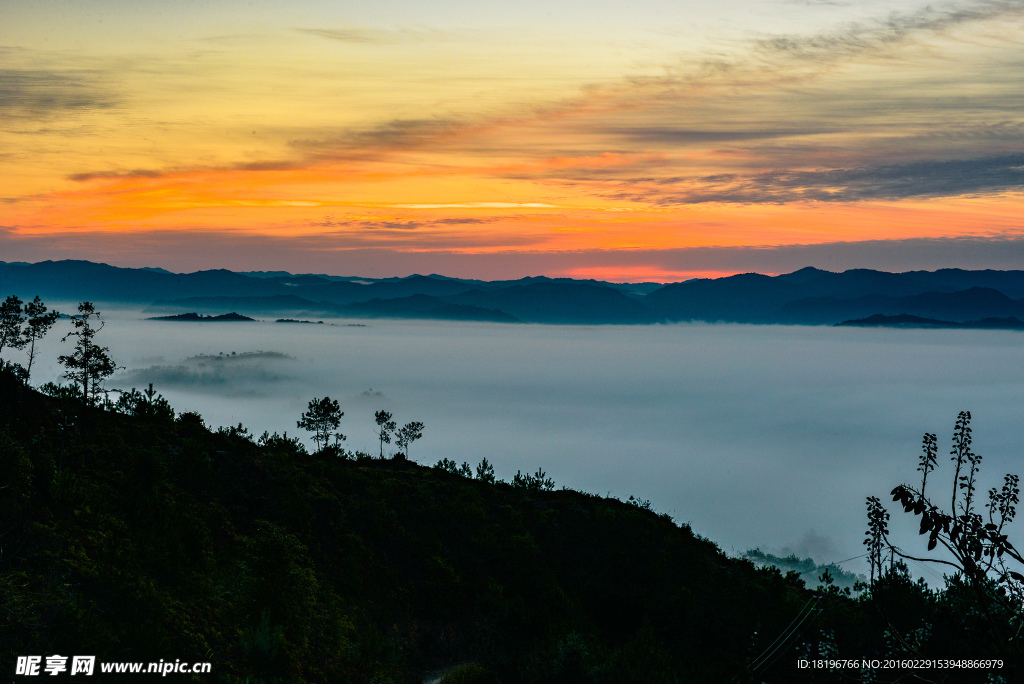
809	296
200	318
908	321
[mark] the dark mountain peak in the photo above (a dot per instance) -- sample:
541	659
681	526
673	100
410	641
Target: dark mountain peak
216	271
77	264
72	262
732	283
855	282
866	271
744	277
419	278
438	276
804	275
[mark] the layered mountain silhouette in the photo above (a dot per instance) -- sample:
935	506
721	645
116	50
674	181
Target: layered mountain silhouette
809	296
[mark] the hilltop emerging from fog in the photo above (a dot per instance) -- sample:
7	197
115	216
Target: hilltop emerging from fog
809	296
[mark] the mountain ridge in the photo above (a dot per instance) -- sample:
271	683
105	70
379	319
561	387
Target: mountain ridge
808	296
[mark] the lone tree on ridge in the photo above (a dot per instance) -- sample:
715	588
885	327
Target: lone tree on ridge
39	323
11	319
89	364
408	434
322	417
385	428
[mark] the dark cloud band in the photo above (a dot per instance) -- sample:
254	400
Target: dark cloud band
947	178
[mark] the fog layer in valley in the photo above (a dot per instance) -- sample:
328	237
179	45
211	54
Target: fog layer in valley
767	436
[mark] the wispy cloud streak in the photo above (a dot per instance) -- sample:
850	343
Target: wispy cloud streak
363	36
887	182
41	93
859	37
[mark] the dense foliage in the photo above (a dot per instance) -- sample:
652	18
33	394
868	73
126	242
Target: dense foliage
135	534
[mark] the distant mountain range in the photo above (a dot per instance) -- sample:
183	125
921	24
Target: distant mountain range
809	296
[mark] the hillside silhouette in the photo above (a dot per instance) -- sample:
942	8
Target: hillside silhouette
137	534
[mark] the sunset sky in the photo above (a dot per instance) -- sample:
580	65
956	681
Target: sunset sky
640	140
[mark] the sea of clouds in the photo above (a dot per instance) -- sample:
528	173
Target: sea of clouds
768	436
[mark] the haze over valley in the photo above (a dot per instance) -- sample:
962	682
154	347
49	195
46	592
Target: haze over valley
760	436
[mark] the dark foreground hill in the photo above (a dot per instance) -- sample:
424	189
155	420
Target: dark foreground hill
142	536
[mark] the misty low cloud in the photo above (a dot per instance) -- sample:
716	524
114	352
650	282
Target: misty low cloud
247	373
813	544
759	436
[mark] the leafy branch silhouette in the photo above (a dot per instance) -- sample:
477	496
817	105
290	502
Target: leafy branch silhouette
973	535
